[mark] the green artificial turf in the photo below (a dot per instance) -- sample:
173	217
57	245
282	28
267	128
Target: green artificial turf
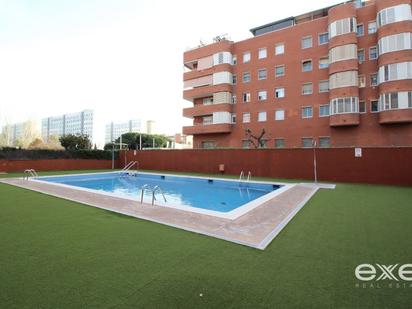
60	254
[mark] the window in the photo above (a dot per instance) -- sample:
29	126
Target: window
234	79
372	27
344	105
233	118
393	100
246	57
207	120
324	110
395	42
307	89
280	49
323	38
279	92
234	60
373	53
262	116
262	74
360	30
362	81
262	95
324	142
279	70
262	53
234	99
307	142
207	101
374	80
246	117
208	144
245	144
342	26
279	143
410	99
280	114
246	97
306	42
324	63
395	71
307	112
374	106
307	66
246	77
361	55
362	107
343	79
394	14
344	52
324	86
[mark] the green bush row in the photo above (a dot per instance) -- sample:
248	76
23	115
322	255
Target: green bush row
39	154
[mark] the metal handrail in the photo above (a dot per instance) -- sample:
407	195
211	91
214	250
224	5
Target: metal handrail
157	188
249	176
129	166
242	175
30	173
144	187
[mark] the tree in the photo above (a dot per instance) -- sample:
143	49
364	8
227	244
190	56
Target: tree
75	142
256	141
133	141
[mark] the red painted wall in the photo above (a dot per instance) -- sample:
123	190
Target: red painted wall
54	165
376	166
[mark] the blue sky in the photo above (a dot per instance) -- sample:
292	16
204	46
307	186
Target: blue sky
122	58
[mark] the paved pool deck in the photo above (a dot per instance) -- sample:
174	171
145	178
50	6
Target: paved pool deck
256	229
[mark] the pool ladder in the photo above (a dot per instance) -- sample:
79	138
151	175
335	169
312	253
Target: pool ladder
242	176
153	190
30	173
126	169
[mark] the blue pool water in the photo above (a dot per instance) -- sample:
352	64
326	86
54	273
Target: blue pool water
217	195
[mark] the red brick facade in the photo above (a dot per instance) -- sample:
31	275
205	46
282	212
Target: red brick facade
385	127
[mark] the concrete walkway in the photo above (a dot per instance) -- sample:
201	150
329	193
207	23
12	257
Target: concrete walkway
256	228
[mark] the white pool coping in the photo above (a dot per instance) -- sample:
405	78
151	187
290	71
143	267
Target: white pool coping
231	215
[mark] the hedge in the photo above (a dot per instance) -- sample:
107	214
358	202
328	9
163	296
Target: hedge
39	154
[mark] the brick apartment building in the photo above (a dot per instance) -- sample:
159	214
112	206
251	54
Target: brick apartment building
340	76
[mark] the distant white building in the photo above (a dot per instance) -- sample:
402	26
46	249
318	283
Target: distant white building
114	130
150	127
13	132
75	123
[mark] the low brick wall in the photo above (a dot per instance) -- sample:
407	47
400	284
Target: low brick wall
9	166
376	166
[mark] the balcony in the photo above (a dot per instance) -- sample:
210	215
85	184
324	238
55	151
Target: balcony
205	91
202	110
395	116
342	120
208	129
208	71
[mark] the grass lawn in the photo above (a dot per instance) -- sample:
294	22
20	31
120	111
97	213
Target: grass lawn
61	254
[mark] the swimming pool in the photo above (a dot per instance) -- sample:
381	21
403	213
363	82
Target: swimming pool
223	198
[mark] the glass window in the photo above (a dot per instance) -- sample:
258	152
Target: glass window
373	53
279	143
279	92
208	144
361	55
324	86
262	116
262	95
410	99
246	117
234	60
360	30
207	120
374	106
362	107
280	49
246	77
306	42
246	57
307	112
234	99
246	97
324	63
262	74
362	81
233	118
324	142
307	66
245	144
372	27
374	79
307	89
307	142
262	53
324	110
234	79
280	114
323	38
279	70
